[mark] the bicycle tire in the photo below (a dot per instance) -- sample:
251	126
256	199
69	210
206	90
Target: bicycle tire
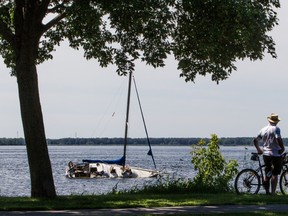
247	181
283	183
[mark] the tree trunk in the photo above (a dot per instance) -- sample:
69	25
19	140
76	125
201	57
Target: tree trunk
42	183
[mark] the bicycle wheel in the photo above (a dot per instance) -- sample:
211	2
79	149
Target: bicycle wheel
247	182
284	183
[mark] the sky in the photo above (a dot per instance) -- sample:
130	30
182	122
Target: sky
81	99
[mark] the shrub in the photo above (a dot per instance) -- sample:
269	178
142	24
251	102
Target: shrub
214	173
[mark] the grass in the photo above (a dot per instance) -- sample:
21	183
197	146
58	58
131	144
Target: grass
136	200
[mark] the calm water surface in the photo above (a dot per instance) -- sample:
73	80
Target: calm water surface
174	160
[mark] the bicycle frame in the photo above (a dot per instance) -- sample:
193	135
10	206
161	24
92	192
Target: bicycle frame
260	167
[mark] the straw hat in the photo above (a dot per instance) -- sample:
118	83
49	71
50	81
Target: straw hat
273	118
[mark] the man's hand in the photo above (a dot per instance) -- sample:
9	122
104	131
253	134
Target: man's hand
260	151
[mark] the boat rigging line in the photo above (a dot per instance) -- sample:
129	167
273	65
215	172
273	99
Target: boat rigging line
141	110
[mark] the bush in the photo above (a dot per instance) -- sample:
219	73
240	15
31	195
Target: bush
214	173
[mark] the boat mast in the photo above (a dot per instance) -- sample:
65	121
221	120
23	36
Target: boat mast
142	114
127	117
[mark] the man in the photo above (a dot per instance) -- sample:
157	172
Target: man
273	147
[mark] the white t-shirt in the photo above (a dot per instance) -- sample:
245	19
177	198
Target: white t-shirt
269	135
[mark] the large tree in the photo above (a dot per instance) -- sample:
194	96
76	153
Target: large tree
204	36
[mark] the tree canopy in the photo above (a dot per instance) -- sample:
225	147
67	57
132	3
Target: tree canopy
204	36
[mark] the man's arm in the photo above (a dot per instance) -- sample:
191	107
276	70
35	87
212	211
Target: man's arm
259	150
280	143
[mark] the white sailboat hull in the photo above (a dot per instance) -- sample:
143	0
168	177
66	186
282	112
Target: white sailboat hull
103	170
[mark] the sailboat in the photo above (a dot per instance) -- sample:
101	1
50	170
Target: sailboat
117	168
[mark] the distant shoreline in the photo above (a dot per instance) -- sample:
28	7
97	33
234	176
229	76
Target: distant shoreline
227	141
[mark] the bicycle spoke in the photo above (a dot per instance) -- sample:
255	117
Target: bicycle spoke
247	181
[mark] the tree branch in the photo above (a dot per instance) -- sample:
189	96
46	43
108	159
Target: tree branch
44	10
53	22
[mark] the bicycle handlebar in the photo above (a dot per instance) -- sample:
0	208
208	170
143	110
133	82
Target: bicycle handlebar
255	157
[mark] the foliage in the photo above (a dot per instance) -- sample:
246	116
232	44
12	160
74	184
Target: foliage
214	173
237	25
205	37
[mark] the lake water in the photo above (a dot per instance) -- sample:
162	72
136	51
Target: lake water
174	160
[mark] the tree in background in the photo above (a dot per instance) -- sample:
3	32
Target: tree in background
205	37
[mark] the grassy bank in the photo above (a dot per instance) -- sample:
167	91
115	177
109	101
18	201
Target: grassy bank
136	200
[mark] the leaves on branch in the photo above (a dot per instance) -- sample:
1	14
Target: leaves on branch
205	37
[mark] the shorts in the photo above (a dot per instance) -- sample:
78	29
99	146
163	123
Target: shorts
273	164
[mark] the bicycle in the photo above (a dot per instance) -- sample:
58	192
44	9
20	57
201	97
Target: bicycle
249	181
